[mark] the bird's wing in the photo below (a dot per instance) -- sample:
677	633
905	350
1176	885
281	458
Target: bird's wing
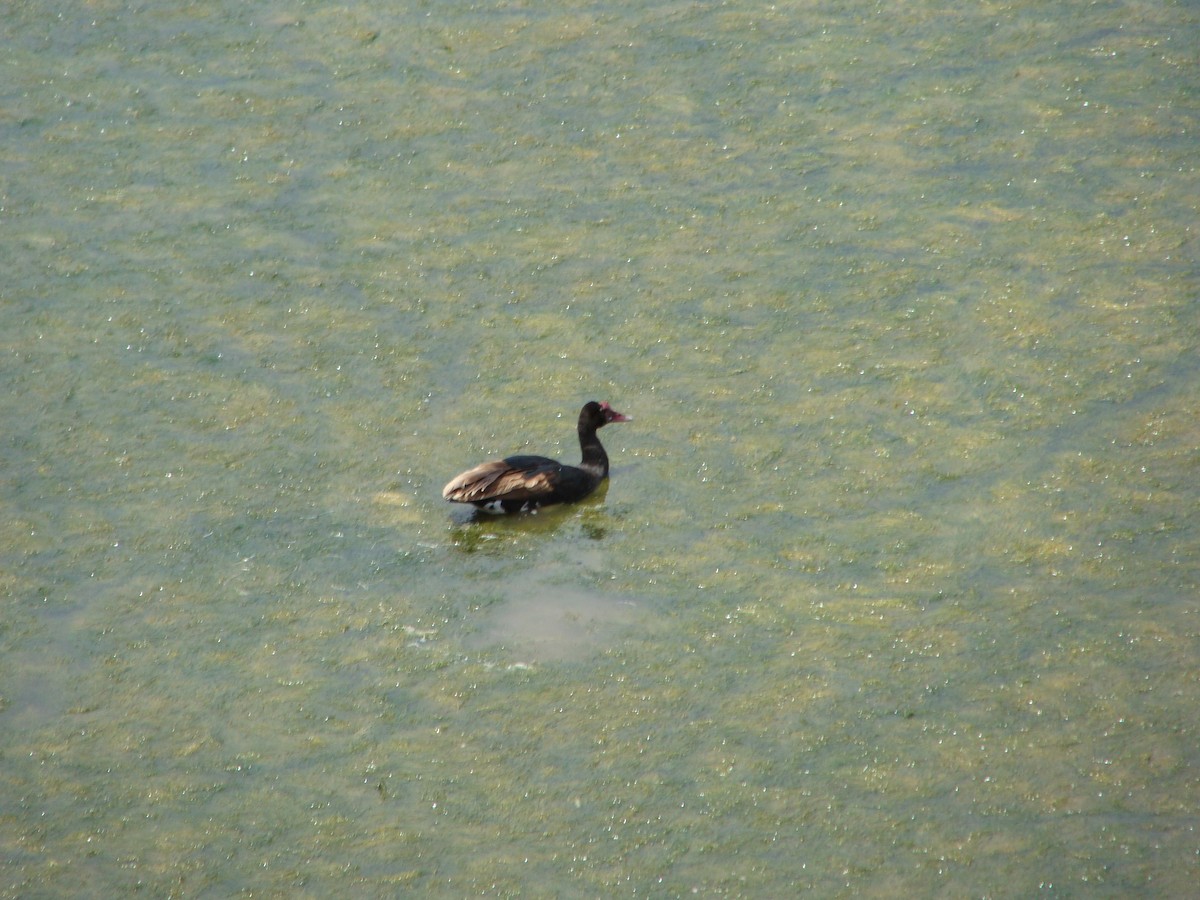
515	478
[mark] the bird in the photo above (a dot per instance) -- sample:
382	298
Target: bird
524	483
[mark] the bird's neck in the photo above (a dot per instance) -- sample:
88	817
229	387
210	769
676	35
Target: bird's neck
595	460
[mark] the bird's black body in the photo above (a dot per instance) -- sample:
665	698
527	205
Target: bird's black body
523	483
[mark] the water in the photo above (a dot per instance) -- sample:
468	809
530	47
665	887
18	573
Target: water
893	590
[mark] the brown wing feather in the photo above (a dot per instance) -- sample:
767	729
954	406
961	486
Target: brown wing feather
499	480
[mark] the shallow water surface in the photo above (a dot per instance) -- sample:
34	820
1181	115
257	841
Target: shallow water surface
893	590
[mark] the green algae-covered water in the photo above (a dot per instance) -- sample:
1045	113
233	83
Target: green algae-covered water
893	591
